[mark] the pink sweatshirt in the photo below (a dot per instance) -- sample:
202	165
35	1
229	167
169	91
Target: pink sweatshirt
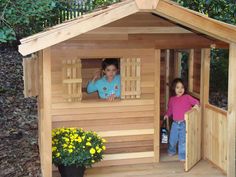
178	106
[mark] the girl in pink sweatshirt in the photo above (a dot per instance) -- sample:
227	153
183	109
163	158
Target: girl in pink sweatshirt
178	105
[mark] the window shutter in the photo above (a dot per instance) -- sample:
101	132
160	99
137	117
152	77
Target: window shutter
130	77
72	80
31	75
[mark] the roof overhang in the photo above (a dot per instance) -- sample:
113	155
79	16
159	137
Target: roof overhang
167	9
196	21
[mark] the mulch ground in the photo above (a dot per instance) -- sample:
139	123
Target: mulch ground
19	156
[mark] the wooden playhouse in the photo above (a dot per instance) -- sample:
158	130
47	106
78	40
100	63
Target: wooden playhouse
147	36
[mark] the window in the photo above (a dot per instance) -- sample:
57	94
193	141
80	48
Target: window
78	72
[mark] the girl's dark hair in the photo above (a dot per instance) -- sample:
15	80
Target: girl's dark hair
174	83
110	61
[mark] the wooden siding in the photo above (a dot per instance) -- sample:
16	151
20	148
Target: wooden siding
121	116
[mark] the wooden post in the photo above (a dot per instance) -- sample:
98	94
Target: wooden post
231	111
204	92
45	121
157	78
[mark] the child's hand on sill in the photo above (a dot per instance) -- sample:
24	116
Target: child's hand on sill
111	97
166	117
197	107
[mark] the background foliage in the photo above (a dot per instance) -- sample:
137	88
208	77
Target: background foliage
223	10
25	17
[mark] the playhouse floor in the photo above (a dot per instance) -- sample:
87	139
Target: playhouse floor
163	169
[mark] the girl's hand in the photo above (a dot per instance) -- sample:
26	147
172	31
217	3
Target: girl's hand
166	117
196	107
97	75
111	97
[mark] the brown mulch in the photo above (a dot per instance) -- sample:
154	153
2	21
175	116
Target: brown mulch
19	155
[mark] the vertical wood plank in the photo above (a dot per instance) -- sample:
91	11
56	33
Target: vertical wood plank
157	78
190	70
138	75
123	73
46	126
231	111
177	64
204	92
167	77
133	74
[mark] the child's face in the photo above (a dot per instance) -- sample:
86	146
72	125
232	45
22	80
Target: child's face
110	71
179	89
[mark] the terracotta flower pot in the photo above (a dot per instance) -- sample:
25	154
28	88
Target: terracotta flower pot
71	171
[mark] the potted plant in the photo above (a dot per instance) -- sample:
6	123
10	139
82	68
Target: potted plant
73	150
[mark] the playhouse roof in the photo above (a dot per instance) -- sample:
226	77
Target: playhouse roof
164	8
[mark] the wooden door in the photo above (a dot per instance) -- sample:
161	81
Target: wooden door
193	138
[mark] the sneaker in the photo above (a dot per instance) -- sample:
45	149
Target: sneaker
171	154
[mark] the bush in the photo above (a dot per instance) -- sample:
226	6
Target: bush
71	146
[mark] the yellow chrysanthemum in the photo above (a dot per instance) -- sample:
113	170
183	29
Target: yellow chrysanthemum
66	139
70	150
71	147
104	148
54	148
58	154
92	151
88	144
99	150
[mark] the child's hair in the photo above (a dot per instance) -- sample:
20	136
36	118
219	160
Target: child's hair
174	83
110	61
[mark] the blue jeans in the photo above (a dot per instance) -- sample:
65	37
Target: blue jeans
177	135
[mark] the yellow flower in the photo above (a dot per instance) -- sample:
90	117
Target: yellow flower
66	139
71	147
88	144
93	161
53	133
104	148
92	151
70	150
99	150
103	140
54	148
89	139
64	145
58	154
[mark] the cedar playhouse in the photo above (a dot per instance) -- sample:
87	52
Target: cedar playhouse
147	36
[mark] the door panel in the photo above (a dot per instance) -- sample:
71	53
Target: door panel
193	138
